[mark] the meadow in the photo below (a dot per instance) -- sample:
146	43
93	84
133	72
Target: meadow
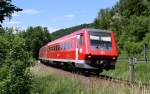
47	81
142	69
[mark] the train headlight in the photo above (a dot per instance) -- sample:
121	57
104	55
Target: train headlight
89	56
114	58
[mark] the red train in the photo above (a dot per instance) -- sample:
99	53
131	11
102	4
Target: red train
86	49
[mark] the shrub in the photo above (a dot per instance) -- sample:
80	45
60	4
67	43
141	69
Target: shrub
15	77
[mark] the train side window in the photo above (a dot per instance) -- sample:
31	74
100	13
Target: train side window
68	45
65	46
56	47
61	46
50	48
81	40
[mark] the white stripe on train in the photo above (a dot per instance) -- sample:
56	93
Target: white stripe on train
63	60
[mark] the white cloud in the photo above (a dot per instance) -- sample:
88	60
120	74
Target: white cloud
13	23
30	11
70	16
26	11
52	29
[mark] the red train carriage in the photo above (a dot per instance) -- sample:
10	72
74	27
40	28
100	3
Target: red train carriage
88	49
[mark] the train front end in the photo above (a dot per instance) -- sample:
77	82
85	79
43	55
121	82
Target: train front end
102	51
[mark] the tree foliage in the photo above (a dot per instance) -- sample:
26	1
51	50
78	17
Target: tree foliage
130	20
15	77
104	19
35	38
6	9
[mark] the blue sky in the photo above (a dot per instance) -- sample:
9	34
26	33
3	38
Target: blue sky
56	14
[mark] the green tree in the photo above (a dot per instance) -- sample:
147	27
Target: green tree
133	7
147	39
35	38
130	20
15	77
6	9
103	20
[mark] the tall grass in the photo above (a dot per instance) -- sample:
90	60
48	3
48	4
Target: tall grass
47	82
142	69
56	85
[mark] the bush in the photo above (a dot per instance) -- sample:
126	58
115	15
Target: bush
15	77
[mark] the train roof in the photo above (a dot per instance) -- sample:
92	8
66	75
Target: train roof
97	30
76	32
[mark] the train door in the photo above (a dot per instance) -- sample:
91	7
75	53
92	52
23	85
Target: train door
79	46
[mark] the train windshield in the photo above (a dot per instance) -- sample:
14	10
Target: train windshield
100	40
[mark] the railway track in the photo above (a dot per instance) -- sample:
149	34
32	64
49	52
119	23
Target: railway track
103	77
125	82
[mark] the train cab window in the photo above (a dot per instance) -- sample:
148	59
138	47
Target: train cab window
100	40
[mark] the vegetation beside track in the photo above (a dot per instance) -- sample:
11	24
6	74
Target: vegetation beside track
142	73
49	81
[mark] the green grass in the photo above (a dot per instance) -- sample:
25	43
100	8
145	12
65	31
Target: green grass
48	82
56	85
142	70
53	84
121	71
